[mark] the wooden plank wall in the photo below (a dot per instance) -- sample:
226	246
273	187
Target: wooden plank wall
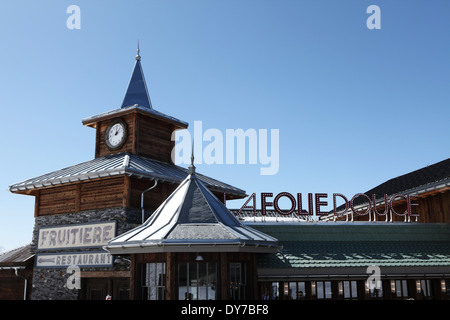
120	191
104	193
148	137
12	287
154	139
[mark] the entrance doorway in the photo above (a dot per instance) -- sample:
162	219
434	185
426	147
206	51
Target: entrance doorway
197	281
101	288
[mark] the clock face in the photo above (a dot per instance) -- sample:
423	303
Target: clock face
115	135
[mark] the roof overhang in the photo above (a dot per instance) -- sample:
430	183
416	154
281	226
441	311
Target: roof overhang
190	246
121	164
93	120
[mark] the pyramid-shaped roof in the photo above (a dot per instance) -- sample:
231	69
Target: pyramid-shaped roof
137	93
192	219
136	99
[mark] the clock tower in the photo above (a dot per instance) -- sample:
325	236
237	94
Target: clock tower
135	127
78	209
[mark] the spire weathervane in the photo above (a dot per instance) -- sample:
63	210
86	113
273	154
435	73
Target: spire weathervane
192	167
138	57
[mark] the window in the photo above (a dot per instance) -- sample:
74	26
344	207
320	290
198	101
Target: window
323	289
269	290
297	290
374	289
348	289
154	281
424	287
197	281
238	280
400	288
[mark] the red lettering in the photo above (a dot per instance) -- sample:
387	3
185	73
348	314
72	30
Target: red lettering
391	204
300	210
368	204
265	204
252	197
320	203
374	205
334	204
277	208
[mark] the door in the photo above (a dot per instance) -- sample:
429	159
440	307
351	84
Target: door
101	288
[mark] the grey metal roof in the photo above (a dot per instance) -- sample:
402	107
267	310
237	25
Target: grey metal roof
192	219
121	164
151	112
16	257
137	98
137	92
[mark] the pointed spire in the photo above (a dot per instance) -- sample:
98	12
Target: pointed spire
137	93
192	167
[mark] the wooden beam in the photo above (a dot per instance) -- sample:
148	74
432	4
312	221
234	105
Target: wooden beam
126	200
105	274
36	203
224	276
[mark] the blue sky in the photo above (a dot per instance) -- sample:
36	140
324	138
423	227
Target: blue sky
354	107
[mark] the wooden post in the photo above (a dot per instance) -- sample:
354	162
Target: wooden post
254	276
97	139
36	203
133	275
224	276
171	276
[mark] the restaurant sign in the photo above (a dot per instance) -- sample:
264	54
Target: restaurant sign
80	259
76	236
317	202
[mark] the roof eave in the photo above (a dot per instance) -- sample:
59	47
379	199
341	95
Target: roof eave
190	246
91	121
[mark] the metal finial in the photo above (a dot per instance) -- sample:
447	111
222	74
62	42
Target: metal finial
138	57
192	167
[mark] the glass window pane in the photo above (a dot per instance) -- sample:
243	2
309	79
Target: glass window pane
354	290
405	288
274	293
320	293
197	281
328	290
153	281
182	281
347	293
301	287
398	288
292	290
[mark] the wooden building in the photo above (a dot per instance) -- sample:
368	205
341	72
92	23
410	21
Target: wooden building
16	273
193	248
130	224
428	189
80	208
